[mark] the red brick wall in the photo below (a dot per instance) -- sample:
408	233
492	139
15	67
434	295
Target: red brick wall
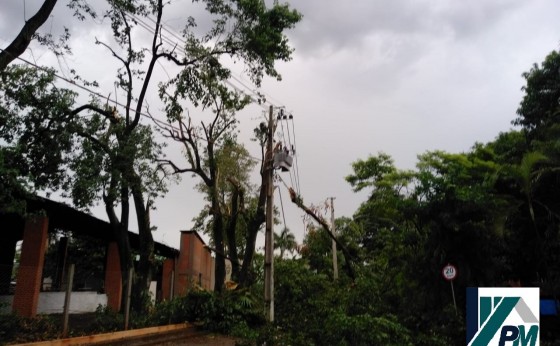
113	277
193	263
30	270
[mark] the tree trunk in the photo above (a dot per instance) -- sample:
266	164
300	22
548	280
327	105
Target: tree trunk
218	234
146	244
231	234
251	238
22	40
120	234
122	237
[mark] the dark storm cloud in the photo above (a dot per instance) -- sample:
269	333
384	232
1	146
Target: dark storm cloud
332	25
13	14
472	18
399	76
11	18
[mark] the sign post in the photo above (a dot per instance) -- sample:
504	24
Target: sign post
449	273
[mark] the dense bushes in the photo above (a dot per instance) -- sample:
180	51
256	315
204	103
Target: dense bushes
15	329
234	313
311	309
231	312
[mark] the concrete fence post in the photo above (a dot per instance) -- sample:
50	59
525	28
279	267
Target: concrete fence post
69	284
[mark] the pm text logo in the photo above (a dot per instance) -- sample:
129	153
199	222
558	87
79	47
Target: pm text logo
502	316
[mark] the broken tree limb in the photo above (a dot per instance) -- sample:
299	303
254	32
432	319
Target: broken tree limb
299	202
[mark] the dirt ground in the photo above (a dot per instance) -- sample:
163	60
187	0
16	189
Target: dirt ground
208	340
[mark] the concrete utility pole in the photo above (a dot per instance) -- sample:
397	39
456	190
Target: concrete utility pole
269	232
334	259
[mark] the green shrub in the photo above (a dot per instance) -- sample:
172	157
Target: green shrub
107	320
235	313
9	327
168	312
229	312
16	329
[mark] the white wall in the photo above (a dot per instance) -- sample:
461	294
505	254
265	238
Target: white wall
53	302
80	302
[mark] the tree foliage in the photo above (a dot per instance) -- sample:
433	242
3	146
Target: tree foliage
117	153
247	31
285	241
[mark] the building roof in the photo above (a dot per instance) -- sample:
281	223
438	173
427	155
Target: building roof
64	217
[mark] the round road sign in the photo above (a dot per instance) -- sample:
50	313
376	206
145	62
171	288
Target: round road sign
449	272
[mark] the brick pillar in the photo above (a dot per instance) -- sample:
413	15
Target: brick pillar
184	263
30	270
212	273
208	270
166	278
113	278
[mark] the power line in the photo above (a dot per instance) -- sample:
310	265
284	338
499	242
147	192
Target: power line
174	44
283	182
288	145
296	164
283	139
282	206
176	36
163	124
255	95
160	123
285	117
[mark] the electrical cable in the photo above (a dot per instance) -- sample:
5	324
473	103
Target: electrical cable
160	123
282	207
255	96
238	80
279	119
283	182
283	139
296	164
251	91
290	146
163	124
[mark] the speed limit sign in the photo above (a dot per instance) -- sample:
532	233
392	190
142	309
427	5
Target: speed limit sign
449	272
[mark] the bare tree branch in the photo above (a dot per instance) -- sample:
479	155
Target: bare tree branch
149	71
178	62
127	66
112	51
107	114
176	169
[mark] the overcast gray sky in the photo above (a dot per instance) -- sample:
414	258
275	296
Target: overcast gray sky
400	77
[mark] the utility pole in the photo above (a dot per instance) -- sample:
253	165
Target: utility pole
269	232
334	259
